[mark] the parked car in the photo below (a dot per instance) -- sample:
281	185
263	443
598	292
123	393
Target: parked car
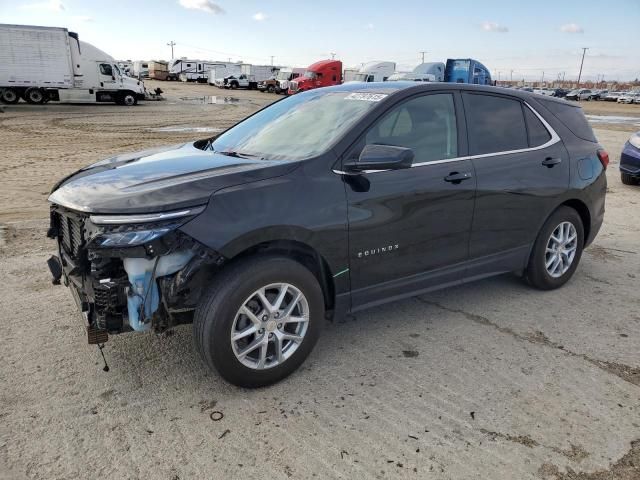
630	161
599	94
613	96
559	92
327	202
630	97
579	94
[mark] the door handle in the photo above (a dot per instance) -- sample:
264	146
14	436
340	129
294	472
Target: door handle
549	162
457	177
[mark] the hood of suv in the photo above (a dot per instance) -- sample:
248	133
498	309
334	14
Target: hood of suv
158	180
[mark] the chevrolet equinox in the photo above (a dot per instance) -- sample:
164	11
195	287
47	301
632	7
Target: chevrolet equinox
327	202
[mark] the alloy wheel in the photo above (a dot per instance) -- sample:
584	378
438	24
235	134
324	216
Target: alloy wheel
561	249
270	326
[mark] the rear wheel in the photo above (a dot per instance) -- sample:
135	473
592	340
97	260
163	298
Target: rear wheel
557	250
271	89
35	95
9	95
628	179
259	321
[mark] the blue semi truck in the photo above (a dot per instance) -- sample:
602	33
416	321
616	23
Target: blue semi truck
466	70
456	70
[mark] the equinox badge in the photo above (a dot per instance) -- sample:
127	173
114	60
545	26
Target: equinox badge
376	251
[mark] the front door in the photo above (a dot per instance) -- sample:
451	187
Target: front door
409	229
106	76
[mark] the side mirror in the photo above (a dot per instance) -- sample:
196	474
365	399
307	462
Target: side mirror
382	157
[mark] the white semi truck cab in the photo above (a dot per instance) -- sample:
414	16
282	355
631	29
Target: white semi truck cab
41	64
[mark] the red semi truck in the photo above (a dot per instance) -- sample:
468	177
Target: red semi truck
320	74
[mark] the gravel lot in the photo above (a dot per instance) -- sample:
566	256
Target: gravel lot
492	380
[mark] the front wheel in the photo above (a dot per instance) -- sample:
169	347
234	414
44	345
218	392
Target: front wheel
128	99
259	320
557	250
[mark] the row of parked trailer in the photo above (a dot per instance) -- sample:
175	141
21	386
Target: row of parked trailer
42	64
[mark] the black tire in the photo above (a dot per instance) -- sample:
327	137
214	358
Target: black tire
536	272
35	96
628	179
127	99
214	317
10	96
271	89
233	85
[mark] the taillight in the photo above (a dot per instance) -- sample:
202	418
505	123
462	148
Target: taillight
603	156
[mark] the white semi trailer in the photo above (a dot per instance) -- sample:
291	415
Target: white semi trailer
41	64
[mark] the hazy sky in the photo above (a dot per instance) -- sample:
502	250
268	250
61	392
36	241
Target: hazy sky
528	38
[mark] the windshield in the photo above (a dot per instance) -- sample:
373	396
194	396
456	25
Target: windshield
297	127
309	74
363	77
283	75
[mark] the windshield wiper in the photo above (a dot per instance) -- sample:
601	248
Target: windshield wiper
231	153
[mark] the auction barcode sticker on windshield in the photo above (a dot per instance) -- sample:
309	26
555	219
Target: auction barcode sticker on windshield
368	97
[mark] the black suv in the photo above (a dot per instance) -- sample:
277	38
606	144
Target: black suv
326	202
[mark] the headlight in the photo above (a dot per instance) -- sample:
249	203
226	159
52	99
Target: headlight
130	239
635	140
118	231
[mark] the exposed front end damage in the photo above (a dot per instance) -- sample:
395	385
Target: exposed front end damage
130	272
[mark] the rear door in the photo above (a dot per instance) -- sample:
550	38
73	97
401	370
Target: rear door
409	228
522	168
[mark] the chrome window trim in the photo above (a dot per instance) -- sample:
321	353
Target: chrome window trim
555	138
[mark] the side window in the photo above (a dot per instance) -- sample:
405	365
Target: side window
426	124
538	134
494	124
105	69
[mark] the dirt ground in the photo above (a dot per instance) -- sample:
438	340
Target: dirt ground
492	380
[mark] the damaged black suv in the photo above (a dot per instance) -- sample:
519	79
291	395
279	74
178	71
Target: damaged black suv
327	202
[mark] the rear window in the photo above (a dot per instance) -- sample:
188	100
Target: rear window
495	124
572	117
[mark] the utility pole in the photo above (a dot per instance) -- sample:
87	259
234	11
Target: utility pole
511	76
423	52
584	51
171	44
272	60
542	81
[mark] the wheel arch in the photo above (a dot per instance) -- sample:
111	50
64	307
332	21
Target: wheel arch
302	253
585	215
